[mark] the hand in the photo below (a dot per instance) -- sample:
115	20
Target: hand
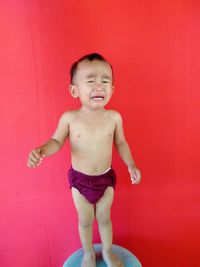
135	175
35	158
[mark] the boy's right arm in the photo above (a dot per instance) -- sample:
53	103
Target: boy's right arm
52	145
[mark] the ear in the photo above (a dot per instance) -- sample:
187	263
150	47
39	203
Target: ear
73	91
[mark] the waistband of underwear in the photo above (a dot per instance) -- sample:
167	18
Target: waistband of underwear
95	174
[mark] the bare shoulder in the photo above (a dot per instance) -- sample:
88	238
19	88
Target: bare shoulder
115	115
68	116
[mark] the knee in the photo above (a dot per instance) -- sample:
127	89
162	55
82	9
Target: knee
103	218
85	222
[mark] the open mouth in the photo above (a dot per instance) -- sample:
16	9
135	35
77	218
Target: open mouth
97	98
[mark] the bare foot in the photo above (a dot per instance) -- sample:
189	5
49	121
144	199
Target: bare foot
111	259
89	260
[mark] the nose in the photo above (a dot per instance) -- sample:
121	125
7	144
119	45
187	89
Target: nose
98	87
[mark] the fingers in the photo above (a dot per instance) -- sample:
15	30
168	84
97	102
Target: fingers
134	181
35	158
135	177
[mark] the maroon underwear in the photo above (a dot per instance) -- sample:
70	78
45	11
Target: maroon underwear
92	187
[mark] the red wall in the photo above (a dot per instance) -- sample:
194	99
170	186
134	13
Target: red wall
154	48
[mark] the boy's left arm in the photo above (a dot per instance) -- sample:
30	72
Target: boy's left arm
124	150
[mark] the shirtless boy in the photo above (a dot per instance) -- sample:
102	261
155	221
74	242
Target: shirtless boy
91	130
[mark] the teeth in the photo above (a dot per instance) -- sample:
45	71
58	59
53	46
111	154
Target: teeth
98	97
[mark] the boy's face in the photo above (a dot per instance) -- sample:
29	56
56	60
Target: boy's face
93	84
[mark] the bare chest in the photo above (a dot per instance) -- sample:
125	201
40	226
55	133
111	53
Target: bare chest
90	132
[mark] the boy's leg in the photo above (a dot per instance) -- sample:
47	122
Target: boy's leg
103	207
85	212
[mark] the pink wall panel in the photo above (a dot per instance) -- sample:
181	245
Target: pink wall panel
154	48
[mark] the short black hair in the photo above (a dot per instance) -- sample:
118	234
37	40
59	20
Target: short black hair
89	57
